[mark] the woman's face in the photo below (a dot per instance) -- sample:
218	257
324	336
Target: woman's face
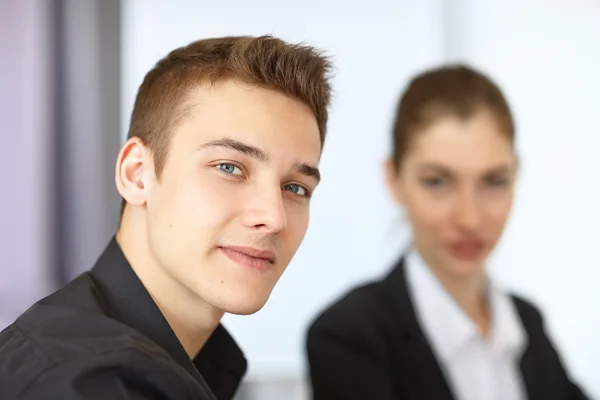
456	185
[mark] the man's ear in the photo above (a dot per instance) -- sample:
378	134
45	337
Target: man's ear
392	181
132	171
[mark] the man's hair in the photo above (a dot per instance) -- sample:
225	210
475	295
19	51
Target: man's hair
447	91
296	70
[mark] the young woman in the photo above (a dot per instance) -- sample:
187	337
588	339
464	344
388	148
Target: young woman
436	328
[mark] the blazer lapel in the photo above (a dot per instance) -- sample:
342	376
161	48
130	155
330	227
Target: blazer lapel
528	373
416	360
534	387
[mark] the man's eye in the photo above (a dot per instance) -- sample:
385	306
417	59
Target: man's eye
296	189
230	169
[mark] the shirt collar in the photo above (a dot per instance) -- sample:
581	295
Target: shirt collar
220	362
508	333
447	326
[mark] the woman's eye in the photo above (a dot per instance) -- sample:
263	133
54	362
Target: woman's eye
230	169
497	181
434	182
296	189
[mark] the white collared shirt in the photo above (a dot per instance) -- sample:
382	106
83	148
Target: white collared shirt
476	368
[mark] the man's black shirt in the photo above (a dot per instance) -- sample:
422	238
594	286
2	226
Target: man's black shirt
103	337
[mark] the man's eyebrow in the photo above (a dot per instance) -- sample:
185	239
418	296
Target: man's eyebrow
308	170
259	154
240	147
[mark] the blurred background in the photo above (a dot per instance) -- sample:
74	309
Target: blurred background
70	69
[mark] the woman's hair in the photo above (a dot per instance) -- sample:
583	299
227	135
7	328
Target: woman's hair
448	91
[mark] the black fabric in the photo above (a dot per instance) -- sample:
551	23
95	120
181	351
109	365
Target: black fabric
103	337
369	346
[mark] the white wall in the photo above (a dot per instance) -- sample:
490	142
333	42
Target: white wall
544	57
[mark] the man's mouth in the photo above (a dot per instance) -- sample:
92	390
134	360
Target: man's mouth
250	257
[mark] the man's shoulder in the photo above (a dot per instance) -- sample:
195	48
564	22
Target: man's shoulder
69	334
66	324
88	363
63	332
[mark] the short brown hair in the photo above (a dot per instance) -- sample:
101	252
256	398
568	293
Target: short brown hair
454	90
296	70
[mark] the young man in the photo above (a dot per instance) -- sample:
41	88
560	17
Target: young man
216	176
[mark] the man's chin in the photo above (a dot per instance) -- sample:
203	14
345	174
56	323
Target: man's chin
244	308
239	303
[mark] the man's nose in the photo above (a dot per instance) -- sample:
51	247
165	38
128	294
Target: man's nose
266	210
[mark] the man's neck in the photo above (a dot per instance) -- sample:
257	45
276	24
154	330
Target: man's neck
191	319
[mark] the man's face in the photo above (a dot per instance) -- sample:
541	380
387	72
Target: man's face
231	206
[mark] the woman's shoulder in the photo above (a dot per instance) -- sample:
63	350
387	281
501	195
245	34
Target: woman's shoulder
528	312
358	307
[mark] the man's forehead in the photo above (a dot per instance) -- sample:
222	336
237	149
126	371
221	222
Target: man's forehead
273	126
